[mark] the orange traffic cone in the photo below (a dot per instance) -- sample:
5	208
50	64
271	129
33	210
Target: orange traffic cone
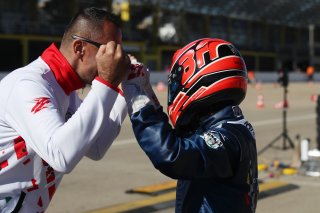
260	101
282	105
314	97
161	86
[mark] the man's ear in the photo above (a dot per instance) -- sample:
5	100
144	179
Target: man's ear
78	48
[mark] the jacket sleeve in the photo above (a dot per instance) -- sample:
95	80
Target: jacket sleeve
111	130
61	144
197	156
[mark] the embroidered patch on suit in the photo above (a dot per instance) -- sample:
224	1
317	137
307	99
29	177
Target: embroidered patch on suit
211	140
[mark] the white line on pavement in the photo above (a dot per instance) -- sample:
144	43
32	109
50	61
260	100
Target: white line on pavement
124	142
279	120
254	124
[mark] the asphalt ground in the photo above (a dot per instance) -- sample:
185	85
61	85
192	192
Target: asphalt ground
98	184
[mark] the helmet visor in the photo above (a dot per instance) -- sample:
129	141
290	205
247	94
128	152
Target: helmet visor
174	83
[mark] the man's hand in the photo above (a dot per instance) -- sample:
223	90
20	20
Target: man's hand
112	63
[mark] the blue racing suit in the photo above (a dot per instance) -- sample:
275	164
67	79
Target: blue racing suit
216	165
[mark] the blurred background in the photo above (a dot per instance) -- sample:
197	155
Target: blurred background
271	34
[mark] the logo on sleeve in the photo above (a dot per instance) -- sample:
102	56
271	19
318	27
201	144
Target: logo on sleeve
211	140
237	111
41	103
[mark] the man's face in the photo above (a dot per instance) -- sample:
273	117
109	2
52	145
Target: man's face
88	65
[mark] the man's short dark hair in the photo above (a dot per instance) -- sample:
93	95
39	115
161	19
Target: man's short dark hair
94	17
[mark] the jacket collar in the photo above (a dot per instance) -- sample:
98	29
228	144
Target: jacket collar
227	113
66	77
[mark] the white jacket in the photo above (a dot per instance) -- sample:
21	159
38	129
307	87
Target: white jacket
45	130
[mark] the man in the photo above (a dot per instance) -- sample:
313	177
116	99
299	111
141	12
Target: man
212	150
44	131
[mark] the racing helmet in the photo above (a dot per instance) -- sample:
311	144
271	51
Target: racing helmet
205	73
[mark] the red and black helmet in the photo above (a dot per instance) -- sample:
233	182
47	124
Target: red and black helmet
204	73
